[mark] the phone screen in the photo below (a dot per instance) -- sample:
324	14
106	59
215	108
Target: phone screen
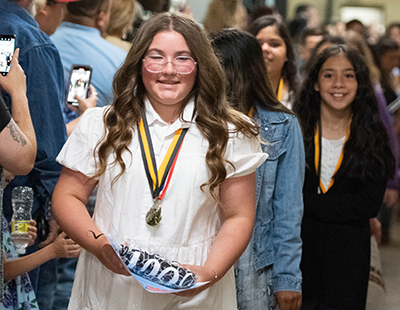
79	83
7	46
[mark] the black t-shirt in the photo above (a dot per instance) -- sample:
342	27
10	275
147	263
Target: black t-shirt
5	116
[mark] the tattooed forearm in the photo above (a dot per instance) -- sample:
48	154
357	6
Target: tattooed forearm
16	133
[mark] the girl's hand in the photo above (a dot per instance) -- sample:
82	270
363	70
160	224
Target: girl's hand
65	247
15	81
107	256
84	104
204	274
8	176
288	300
32	232
52	235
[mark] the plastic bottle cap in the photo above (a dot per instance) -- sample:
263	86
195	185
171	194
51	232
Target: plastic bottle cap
21	251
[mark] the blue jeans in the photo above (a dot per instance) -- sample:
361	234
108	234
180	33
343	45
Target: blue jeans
66	270
254	289
44	280
46	285
66	275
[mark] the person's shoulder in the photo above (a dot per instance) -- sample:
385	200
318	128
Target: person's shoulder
232	128
274	117
111	49
36	48
26	30
125	45
58	34
92	120
95	113
65	35
91	35
283	124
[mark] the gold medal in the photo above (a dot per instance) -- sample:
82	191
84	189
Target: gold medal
153	216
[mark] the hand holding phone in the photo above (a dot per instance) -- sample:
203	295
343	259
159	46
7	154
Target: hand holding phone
15	81
89	102
7	46
79	81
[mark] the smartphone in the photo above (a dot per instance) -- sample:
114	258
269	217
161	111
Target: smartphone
7	47
79	81
42	228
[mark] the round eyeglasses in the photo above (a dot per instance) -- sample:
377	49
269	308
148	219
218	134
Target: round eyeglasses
157	63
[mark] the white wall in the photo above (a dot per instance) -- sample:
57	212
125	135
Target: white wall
198	8
391	8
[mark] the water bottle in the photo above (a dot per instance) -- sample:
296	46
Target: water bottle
22	200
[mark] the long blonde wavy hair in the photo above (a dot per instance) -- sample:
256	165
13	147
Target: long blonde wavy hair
211	106
223	14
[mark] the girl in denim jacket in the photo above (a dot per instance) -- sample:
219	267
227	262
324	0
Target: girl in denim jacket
268	273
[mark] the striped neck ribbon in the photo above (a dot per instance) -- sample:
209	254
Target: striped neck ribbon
318	157
280	90
251	112
158	178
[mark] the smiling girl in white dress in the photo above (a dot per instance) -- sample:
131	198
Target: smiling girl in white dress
171	84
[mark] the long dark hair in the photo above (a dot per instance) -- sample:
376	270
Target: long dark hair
241	56
289	70
367	153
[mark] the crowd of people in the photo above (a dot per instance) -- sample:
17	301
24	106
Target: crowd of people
260	154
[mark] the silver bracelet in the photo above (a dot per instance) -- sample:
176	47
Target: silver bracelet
215	273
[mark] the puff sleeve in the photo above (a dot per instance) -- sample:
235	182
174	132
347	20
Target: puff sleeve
77	153
244	154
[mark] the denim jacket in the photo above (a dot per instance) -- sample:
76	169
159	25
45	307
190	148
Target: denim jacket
45	91
276	239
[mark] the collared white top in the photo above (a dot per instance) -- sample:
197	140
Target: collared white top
331	150
190	217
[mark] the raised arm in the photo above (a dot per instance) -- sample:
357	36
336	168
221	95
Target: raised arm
18	138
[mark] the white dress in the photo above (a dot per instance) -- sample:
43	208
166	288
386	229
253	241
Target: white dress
190	219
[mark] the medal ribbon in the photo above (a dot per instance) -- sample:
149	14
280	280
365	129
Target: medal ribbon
158	179
280	90
318	157
251	112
